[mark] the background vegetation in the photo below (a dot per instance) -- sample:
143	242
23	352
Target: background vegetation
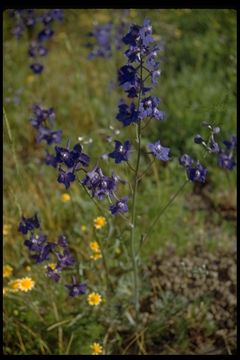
198	82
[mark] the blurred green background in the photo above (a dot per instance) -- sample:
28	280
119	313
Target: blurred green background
197	83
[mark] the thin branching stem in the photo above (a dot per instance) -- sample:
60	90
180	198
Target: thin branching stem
162	210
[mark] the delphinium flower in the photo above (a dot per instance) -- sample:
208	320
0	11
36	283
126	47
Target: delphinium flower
105	37
26	20
103	41
42	121
94	299
69	162
96	348
121	206
99	184
159	151
121	152
42	250
100	222
225	156
28	224
195	171
209	144
76	289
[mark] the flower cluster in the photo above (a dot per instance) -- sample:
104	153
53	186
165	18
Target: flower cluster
27	19
96	250
69	161
42	121
195	171
225	156
105	37
142	53
41	250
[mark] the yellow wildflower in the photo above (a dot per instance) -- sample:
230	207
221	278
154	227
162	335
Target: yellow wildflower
96	348
65	197
94	299
5	290
6	229
7	271
26	284
51	265
94	246
96	256
14	285
30	79
83	228
99	222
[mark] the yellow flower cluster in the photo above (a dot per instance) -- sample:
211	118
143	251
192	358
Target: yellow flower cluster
100	222
96	250
25	284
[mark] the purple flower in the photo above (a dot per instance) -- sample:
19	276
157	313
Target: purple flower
145	33
44	253
37	68
50	159
35	242
155	76
35	50
148	108
65	260
45	34
121	152
151	63
186	161
127	75
53	274
62	241
76	289
102	35
121	206
225	161
18	30
57	14
65	177
75	158
160	152
213	146
198	139
127	114
132	36
50	136
28	224
197	173
232	143
99	184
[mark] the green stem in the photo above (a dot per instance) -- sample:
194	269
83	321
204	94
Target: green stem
11	142
154	222
109	285
135	184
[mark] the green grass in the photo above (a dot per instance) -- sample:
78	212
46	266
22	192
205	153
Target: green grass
198	82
